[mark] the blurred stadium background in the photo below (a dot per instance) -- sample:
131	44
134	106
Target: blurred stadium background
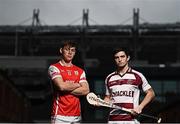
26	51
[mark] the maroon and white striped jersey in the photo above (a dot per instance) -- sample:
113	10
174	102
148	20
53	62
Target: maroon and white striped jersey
125	92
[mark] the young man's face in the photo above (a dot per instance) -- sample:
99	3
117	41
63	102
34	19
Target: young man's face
68	53
121	59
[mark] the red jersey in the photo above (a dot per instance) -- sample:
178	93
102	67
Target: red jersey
65	103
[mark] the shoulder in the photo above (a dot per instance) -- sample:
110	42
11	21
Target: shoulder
135	71
111	74
54	67
78	68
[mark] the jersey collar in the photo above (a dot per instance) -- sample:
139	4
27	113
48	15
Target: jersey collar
128	70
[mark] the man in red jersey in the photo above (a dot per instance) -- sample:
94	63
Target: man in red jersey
123	89
69	83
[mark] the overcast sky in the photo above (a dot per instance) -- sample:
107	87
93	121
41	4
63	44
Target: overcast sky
64	12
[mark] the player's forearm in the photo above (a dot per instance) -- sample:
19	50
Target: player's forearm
148	98
69	86
80	91
83	90
65	85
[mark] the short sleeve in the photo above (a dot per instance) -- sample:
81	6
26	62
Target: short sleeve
82	77
145	84
106	86
54	72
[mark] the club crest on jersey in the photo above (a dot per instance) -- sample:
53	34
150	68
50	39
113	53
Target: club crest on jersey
76	72
69	72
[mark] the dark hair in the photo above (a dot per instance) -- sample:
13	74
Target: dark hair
70	43
125	50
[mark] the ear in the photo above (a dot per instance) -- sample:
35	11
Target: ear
60	50
128	58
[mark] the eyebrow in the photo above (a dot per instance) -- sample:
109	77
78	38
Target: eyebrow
120	56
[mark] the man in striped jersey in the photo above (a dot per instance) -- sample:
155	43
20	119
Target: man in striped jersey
69	83
123	89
